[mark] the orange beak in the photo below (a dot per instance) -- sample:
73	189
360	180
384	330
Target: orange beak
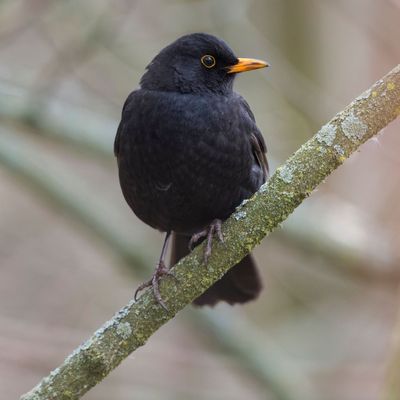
246	64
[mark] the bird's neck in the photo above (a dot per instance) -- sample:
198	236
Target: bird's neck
177	83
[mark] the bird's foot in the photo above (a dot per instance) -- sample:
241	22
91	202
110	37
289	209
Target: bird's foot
208	233
160	271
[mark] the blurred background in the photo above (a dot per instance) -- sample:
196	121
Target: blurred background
72	252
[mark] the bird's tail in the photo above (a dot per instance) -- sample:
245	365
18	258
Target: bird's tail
240	284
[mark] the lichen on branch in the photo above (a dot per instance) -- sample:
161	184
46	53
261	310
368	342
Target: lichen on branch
253	220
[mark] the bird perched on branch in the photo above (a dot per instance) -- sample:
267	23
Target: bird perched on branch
189	152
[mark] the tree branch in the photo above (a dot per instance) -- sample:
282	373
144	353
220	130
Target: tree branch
256	218
45	176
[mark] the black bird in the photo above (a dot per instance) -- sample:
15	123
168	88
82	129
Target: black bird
189	152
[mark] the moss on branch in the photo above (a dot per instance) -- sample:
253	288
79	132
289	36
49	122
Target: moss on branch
254	219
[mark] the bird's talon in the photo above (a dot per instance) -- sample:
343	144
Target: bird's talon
207	254
156	292
144	285
154	282
219	232
196	237
209	232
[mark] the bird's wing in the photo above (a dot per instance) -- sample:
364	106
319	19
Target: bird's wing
259	151
121	125
257	141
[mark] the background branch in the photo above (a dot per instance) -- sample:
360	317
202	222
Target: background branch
392	385
295	180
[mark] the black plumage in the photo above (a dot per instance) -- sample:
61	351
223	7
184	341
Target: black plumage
189	152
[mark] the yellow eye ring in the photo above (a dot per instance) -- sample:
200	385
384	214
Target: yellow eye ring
208	61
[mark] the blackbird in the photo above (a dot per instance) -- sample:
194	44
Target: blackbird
189	152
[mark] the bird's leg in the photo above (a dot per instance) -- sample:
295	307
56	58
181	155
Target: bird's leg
160	271
208	233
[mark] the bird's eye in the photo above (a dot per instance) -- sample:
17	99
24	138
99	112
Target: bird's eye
208	61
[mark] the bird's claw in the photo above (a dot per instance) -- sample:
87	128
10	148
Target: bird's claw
213	228
160	271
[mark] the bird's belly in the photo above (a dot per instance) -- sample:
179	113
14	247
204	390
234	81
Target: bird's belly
181	195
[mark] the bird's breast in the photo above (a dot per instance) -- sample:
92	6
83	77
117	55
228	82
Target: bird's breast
183	159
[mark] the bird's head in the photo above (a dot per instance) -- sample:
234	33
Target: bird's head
196	63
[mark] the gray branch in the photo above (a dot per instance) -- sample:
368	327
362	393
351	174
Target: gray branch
254	219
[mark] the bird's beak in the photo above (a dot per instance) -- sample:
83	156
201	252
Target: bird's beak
246	64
